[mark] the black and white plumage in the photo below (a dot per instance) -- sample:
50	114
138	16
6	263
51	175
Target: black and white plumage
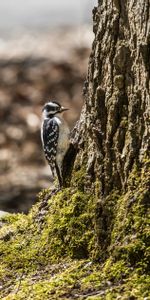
55	137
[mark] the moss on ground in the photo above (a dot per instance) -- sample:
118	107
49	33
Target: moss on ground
74	245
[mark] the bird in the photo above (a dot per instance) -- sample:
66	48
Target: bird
55	134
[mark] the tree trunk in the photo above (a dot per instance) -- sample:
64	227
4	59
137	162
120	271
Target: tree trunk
113	129
112	138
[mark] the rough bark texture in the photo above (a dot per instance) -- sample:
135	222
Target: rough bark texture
113	130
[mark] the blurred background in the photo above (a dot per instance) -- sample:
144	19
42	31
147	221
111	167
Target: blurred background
44	50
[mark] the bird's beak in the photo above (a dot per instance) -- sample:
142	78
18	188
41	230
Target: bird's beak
63	109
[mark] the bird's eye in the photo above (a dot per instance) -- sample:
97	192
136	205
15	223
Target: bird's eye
48	108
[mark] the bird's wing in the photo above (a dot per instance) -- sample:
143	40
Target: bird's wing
50	140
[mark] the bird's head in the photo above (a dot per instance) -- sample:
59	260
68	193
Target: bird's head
52	108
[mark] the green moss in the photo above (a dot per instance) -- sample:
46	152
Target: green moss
69	229
129	238
49	253
78	179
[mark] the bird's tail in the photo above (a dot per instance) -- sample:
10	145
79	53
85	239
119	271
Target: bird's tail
52	167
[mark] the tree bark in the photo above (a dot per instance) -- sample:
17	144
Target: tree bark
112	136
112	133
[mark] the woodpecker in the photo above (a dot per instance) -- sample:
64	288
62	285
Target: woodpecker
55	137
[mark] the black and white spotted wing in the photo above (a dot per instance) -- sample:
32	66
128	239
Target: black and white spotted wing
50	136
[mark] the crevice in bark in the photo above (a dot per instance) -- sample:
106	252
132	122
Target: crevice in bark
68	164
